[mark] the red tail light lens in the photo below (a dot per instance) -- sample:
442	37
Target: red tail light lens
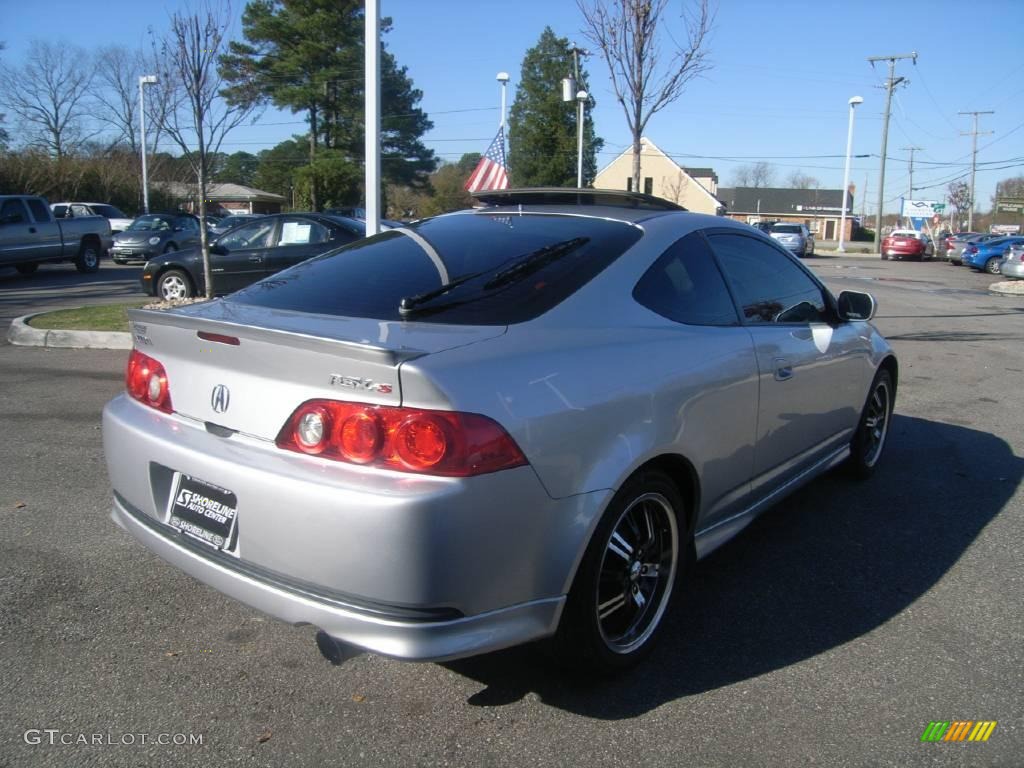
972	249
405	439
146	381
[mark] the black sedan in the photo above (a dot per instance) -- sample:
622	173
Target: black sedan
249	253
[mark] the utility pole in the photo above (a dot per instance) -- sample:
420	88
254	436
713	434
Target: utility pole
890	85
974	158
911	150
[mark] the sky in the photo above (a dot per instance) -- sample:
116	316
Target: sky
782	76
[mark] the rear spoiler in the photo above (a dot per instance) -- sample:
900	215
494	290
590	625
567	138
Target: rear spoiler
356	350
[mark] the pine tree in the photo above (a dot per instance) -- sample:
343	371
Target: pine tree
542	127
307	55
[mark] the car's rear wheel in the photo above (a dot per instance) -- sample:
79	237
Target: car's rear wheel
873	429
627	577
88	259
26	269
174	284
885	257
992	266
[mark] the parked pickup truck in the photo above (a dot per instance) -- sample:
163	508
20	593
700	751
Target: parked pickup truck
29	236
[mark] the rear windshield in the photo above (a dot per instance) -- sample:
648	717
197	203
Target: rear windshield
793	229
508	269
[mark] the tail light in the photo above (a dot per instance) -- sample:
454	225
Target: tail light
146	381
441	443
971	249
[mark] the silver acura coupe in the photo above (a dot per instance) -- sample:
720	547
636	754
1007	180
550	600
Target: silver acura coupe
516	422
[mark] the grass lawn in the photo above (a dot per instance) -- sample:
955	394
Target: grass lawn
102	317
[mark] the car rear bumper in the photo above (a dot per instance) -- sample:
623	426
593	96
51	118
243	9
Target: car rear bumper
378	631
408	566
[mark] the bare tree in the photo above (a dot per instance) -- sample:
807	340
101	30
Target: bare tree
960	197
4	137
800	180
627	33
675	187
198	118
756	175
49	95
117	74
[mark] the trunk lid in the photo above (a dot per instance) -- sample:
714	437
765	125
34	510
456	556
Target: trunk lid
282	359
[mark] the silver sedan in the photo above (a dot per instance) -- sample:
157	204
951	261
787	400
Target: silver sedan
1012	264
518	422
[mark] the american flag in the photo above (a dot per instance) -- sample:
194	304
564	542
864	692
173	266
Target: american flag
490	172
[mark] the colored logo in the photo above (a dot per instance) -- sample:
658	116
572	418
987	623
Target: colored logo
959	730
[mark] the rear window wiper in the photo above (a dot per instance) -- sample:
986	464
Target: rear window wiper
519	269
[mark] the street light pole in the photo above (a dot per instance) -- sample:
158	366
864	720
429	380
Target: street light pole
581	99
144	80
846	172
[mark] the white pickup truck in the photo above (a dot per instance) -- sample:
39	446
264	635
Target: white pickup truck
30	235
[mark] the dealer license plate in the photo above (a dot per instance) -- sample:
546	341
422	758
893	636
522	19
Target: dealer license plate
204	511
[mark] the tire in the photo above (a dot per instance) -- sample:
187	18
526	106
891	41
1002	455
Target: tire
869	440
88	259
174	284
992	266
812	250
27	269
627	578
885	257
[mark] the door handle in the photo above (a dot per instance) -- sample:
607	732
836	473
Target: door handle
783	369
256	258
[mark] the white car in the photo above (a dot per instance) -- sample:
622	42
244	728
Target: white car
119	222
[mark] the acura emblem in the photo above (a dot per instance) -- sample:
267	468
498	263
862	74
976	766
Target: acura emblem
220	399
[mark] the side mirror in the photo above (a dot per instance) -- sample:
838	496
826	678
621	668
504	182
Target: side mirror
854	305
218	249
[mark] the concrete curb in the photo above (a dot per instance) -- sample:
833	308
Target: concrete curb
1008	288
23	335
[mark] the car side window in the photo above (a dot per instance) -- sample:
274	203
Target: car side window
187	223
80	210
769	286
12	212
684	285
39	211
255	235
295	231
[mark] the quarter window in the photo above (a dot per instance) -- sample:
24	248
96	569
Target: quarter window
14	210
684	285
769	286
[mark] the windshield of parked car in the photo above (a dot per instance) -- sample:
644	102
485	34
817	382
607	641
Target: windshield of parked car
370	278
791	229
151	222
108	212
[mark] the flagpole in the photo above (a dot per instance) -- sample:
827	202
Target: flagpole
503	79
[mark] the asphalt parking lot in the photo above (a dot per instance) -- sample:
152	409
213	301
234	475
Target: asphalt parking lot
831	632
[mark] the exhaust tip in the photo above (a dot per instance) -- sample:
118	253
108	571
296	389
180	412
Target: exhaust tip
335	651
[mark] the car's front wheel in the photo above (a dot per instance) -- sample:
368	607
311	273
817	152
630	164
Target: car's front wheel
627	577
873	429
174	284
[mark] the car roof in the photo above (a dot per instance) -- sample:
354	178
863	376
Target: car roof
605	203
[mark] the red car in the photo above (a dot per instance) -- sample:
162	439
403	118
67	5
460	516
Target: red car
907	244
